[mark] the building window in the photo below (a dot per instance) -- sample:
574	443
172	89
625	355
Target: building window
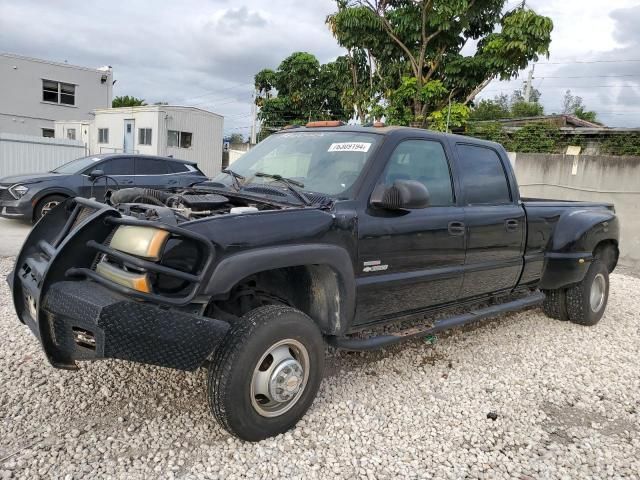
185	139
71	133
144	136
179	139
58	92
48	132
103	135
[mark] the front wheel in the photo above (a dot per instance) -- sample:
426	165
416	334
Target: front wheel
47	204
267	372
587	300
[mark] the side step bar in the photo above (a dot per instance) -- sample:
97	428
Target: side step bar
380	341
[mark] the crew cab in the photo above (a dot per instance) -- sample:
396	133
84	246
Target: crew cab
316	236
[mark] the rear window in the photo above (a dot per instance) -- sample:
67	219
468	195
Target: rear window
484	180
150	166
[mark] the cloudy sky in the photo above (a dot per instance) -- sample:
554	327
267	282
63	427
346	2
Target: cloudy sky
205	52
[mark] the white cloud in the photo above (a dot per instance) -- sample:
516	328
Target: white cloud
192	52
587	31
205	53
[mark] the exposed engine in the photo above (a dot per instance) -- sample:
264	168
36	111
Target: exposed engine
184	205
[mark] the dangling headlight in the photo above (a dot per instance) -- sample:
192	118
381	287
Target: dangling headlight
145	242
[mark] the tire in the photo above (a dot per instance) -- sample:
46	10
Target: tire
587	301
46	204
555	304
243	367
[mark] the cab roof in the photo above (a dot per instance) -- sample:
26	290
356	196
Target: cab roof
391	129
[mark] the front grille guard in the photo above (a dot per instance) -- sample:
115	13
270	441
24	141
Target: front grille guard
195	280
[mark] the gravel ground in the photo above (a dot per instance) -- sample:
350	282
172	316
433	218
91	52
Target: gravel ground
565	400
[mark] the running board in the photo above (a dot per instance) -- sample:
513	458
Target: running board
380	341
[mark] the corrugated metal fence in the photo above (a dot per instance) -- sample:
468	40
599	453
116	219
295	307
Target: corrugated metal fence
27	154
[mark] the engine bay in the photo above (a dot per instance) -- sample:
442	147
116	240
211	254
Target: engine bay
184	205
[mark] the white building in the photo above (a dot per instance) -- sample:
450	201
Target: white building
187	133
35	93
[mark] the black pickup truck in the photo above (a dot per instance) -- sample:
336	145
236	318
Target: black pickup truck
314	237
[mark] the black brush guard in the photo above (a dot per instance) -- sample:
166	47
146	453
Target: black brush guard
58	294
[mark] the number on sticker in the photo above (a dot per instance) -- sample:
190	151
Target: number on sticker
349	147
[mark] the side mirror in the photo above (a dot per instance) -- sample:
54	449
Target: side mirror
96	173
403	194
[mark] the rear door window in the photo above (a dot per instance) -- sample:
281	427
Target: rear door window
150	166
483	177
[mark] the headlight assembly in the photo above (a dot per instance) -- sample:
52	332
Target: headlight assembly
18	191
145	242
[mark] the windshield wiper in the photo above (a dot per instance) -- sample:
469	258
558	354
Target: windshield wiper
289	183
236	177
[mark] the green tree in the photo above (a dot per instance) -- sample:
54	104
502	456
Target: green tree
526	109
127	101
573	105
495	109
504	106
414	49
301	89
236	138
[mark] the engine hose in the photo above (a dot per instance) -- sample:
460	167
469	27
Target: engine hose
133	195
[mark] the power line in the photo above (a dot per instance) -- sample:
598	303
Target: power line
592	76
587	61
213	92
571	86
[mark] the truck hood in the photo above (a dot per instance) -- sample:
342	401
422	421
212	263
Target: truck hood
234	233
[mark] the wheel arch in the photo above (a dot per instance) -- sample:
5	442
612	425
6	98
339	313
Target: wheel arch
62	192
317	279
579	237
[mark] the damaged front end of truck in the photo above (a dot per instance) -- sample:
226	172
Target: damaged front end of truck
93	283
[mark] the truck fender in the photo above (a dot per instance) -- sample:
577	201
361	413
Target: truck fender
231	270
574	239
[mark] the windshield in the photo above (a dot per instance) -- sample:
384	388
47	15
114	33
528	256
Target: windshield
327	163
77	165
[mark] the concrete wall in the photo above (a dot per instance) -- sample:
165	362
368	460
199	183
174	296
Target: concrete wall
590	178
27	154
22	109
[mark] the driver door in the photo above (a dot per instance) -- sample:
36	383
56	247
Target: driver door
411	259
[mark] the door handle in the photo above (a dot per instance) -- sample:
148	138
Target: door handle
456	228
511	225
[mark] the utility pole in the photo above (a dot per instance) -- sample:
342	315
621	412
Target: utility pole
254	114
529	86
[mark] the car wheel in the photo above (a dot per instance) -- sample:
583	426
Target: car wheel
266	374
555	304
587	301
47	204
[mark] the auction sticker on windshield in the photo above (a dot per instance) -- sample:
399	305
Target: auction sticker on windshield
349	147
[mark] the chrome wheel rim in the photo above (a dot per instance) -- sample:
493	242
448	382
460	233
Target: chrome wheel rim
598	290
279	378
47	207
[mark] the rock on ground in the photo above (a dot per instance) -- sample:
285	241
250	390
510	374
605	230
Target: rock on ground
523	396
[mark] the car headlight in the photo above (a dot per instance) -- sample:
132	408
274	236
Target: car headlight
145	242
18	191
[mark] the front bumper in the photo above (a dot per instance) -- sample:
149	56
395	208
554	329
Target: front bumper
78	318
16	208
126	329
